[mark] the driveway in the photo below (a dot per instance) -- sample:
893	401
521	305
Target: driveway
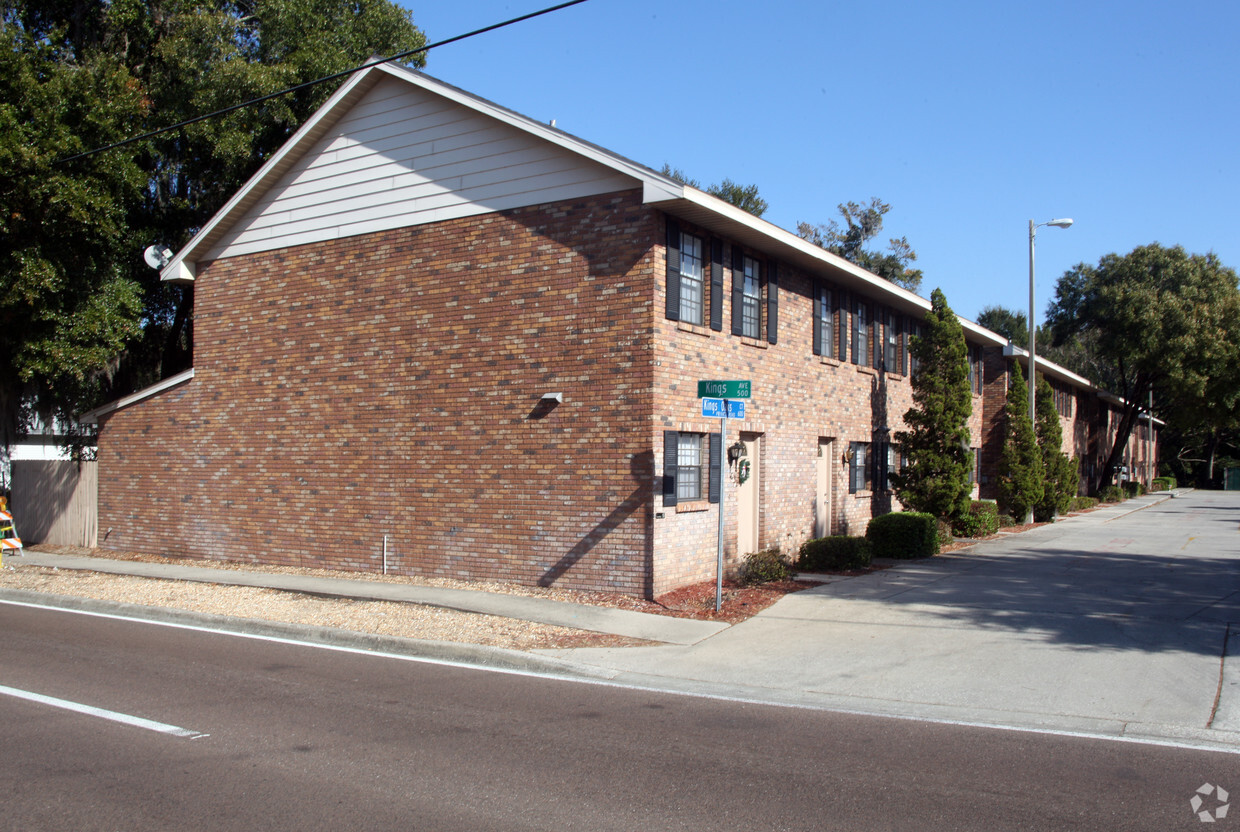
1114	622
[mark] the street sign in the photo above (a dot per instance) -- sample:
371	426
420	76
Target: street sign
723	408
723	389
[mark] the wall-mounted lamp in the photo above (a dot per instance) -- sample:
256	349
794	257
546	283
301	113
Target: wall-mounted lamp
736	451
846	457
553	397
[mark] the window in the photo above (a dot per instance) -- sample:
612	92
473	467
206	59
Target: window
975	368
890	458
751	302
914	331
824	322
861	334
691	291
859	471
689	467
892	357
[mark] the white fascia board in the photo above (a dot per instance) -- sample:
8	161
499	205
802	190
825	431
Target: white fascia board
183	268
1012	351
91	417
543	131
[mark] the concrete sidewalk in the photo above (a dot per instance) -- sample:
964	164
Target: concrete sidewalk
1109	623
660	628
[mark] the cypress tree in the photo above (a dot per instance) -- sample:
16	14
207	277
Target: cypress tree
936	443
1061	477
1021	478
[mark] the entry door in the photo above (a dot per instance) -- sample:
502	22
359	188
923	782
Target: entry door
747	497
822	500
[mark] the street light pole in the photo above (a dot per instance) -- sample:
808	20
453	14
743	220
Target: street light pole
1033	355
1033	361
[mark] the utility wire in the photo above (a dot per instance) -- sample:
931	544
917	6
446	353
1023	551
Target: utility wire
322	80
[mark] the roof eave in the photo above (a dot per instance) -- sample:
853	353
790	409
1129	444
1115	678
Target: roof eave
91	417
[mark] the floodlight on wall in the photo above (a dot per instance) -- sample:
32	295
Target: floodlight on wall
553	397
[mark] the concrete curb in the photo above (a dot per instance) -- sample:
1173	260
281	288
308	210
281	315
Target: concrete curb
474	655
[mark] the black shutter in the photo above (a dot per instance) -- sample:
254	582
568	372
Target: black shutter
673	271
819	315
671	456
772	303
738	291
716	285
716	467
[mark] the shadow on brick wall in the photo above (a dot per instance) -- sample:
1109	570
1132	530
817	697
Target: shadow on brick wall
641	468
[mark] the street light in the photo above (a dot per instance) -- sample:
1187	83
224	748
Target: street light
1033	361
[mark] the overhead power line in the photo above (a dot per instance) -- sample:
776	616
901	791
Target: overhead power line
317	81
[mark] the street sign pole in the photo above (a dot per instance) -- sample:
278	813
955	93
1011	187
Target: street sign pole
719	393
723	501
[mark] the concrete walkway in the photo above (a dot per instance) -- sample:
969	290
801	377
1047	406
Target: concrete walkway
641	625
1112	622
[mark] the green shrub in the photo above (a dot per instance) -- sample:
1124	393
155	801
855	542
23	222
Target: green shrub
766	566
982	520
904	534
1164	484
943	529
1111	494
838	552
1132	488
1081	503
1006	520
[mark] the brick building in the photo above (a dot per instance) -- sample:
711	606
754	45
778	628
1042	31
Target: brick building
431	321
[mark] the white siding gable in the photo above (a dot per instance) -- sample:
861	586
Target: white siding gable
405	156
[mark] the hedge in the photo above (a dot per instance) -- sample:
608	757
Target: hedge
904	534
1164	484
1082	503
839	552
982	520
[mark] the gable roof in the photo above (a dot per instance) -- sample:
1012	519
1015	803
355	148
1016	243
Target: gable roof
660	191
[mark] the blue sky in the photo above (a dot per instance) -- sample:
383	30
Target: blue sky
969	118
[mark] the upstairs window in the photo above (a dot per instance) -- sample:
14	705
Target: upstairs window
691	272
824	322
751	300
975	369
892	353
861	334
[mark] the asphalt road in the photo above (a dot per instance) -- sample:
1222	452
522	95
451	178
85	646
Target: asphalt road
282	736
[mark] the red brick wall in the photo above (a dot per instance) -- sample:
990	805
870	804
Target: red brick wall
389	384
798	397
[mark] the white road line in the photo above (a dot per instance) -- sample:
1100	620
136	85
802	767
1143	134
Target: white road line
1187	744
89	710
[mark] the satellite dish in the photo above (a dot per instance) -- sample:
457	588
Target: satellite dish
157	256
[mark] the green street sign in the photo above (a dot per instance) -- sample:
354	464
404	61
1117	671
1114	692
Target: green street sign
723	389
